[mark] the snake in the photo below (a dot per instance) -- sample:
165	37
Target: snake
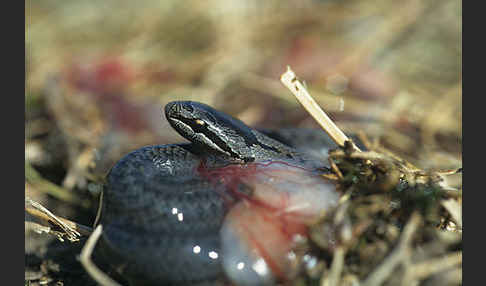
164	218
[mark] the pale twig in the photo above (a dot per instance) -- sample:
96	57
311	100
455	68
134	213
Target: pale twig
336	268
71	233
430	267
37	227
335	168
455	209
289	79
378	276
449	172
364	139
85	259
82	229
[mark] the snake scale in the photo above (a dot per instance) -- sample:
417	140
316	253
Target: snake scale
162	217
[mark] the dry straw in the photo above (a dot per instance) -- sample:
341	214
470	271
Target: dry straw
290	80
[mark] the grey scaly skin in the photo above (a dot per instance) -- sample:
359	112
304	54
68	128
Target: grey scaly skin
161	218
215	132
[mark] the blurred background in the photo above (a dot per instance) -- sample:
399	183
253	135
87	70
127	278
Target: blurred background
98	75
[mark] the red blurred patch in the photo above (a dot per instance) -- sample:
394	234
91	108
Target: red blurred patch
314	61
106	80
107	75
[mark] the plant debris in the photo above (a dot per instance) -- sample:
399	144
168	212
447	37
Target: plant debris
390	70
392	217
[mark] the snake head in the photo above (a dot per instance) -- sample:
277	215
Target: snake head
211	130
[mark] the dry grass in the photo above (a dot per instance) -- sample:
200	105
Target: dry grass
98	75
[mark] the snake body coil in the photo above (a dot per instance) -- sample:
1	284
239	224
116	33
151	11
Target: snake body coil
162	217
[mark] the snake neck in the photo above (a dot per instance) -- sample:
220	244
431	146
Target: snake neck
221	137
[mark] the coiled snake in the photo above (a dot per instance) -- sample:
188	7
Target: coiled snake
166	209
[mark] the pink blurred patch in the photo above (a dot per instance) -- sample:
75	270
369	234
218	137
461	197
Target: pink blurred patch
369	83
107	75
315	62
106	80
277	201
265	235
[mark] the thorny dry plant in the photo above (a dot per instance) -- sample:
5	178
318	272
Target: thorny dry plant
393	217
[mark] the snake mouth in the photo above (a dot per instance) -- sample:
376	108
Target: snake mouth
189	123
178	114
201	135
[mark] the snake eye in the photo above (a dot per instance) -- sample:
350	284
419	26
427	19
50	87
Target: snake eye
200	122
